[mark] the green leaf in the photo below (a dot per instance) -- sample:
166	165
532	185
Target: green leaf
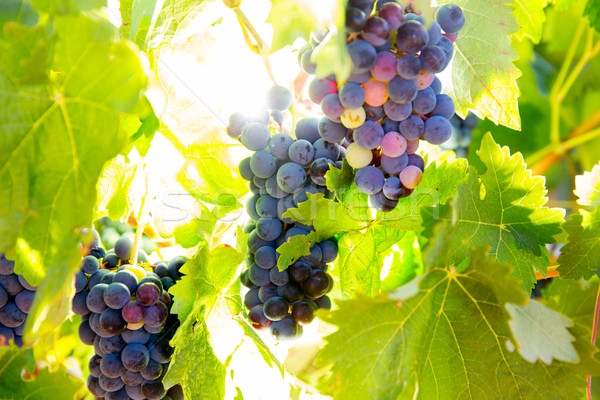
592	11
199	228
115	197
209	286
329	217
361	257
482	70
45	385
541	333
296	247
530	16
442	334
60	129
437	187
501	206
207	276
406	263
290	21
575	299
150	27
206	177
194	362
64	7
580	257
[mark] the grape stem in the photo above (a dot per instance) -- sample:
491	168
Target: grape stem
141	225
261	47
547	156
594	334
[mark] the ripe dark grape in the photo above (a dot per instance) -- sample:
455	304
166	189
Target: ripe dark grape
257	316
393	165
111	366
78	305
307	129
284	329
331	131
392	13
112	321
123	248
363	55
86	334
376	31
411	37
275	308
369	180
316	285
156	314
402	91
135	357
381	203
148	293
116	295
450	17
303	312
318	169
437	130
90	264
153	390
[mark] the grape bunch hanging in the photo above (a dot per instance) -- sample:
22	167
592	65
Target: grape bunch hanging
16	298
125	311
392	99
282	171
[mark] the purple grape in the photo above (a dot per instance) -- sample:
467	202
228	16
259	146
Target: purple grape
369	180
376	31
381	203
355	20
411	37
319	88
392	188
331	131
363	55
396	111
433	59
425	101
450	17
393	14
352	95
412	128
444	106
393	165
369	135
331	106
401	90
437	130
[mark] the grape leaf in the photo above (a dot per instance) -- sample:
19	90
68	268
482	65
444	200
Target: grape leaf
290	21
207	178
541	333
207	275
62	100
530	16
17	11
575	299
114	188
44	385
150	28
262	348
406	263
437	187
442	334
210	278
296	247
580	257
361	257
63	7
329	217
592	11
194	363
481	75
501	206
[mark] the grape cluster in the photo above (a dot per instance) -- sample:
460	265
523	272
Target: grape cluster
392	99
125	311
462	134
282	171
16	298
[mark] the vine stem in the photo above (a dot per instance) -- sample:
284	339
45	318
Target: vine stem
594	334
141	225
263	48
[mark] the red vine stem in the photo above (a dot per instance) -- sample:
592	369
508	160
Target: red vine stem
594	334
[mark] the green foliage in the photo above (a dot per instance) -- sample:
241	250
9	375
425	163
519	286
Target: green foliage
501	206
530	16
65	90
592	11
441	334
64	7
483	75
290	21
541	333
41	384
581	255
